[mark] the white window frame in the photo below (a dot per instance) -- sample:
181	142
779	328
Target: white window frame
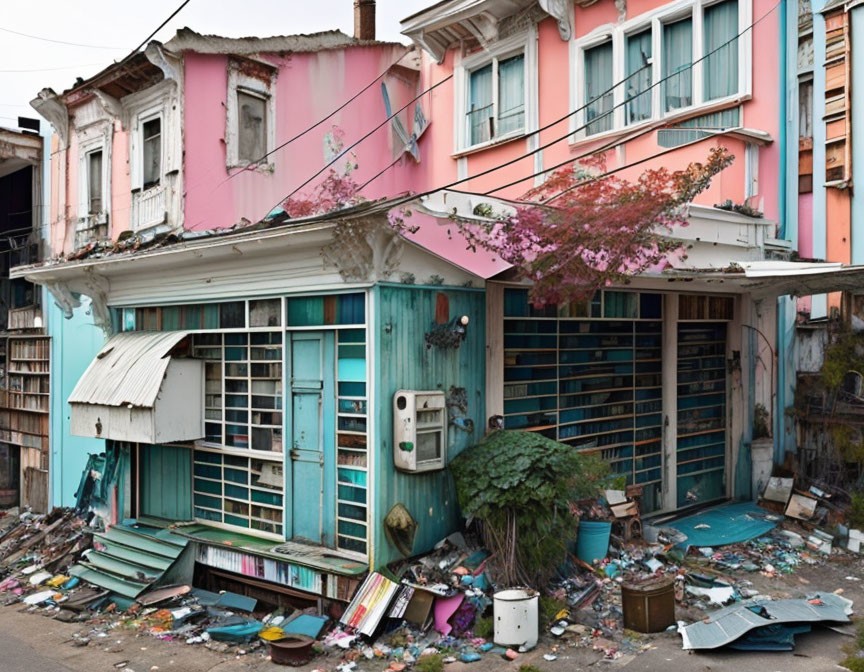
655	20
524	43
239	81
136	168
85	149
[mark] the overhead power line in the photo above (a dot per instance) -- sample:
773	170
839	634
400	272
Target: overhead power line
571	133
70	44
322	120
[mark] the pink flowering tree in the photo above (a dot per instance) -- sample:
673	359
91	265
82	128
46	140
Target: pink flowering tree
581	230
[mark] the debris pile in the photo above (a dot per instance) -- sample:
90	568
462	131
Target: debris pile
703	569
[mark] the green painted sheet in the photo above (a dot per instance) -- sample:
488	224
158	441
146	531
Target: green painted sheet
404	315
130	559
165	482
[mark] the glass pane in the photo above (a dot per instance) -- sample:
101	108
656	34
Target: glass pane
265	313
511	95
151	133
639	77
721	49
252	131
598	82
94	181
232	315
677	64
480	110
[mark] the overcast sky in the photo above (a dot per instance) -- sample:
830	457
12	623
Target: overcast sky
102	23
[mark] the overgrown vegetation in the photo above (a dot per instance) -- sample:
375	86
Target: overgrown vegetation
518	485
549	608
431	662
855	519
529	668
844	354
852	661
484	627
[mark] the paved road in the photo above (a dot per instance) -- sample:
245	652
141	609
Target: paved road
18	656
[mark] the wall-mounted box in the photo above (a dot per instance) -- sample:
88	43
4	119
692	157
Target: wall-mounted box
419	430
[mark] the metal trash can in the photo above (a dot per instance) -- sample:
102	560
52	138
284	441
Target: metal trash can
649	606
516	613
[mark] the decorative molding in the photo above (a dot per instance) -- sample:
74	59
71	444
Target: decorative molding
364	250
111	106
97	289
48	104
621	6
560	11
168	64
64	298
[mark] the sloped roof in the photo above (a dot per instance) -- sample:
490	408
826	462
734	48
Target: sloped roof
128	371
187	39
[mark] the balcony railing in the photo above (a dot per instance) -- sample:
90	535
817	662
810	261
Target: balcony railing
148	208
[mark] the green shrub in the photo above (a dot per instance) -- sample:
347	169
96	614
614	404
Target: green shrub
484	627
529	668
854	664
518	485
431	662
549	608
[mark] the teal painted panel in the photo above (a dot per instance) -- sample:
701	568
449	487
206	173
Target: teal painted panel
165	482
404	315
311	429
74	344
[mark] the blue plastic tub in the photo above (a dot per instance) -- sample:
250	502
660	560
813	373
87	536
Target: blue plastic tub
592	540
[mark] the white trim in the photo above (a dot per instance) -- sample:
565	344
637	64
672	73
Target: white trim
524	43
241	82
655	19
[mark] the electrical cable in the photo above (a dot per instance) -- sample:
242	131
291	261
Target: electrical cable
352	146
150	36
584	126
70	44
320	121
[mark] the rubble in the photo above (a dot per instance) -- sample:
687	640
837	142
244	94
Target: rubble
441	604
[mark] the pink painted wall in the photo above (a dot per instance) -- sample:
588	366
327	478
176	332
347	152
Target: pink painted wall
65	181
554	71
308	87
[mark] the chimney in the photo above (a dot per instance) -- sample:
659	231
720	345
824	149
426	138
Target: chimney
364	19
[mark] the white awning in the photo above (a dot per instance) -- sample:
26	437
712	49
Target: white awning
780	278
136	391
128	371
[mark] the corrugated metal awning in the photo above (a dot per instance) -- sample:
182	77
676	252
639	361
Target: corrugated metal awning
128	371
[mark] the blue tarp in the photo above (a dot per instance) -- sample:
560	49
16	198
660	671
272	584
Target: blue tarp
727	524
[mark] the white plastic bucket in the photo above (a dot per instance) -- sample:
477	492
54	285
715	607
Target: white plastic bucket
516	614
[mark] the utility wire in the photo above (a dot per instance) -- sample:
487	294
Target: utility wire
62	67
352	146
48	39
150	36
320	121
584	126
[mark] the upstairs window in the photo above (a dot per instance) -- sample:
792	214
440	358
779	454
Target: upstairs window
496	99
677	65
252	126
94	182
639	79
720	74
599	95
250	118
670	63
151	146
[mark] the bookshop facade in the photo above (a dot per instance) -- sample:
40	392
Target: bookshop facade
644	378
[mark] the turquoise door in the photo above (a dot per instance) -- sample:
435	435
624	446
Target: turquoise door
311	431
